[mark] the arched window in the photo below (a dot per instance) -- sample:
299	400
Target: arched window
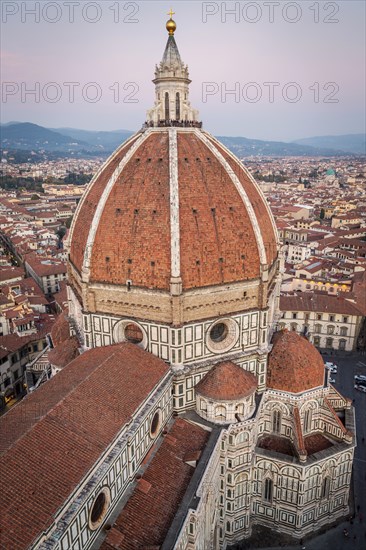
344	331
167	110
318	329
330	329
342	344
307	421
276	421
325	488
220	412
268	490
177	106
241	491
294	327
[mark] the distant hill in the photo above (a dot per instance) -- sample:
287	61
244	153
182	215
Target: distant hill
108	141
349	143
27	136
32	137
244	147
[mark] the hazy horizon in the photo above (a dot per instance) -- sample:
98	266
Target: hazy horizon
53	128
310	52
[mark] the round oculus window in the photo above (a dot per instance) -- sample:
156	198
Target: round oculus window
219	332
130	331
99	509
155	424
222	335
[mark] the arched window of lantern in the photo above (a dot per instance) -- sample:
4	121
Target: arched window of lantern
177	106
167	110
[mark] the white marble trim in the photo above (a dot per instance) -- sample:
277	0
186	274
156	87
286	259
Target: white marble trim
174	203
102	202
242	193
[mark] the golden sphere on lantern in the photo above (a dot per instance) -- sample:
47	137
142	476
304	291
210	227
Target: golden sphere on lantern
171	26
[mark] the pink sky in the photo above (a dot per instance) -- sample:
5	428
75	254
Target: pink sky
324	58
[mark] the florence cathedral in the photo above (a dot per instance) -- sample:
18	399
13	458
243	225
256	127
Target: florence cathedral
177	416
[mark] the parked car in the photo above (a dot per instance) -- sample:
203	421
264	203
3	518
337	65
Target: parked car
331	366
360	388
332	380
360	378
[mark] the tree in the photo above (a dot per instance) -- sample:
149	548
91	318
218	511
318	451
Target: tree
68	222
61	232
322	214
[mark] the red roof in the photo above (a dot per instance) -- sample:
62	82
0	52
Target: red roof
55	435
311	301
43	266
133	236
294	364
64	353
149	512
60	331
227	382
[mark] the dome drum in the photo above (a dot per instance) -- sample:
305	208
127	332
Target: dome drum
225	412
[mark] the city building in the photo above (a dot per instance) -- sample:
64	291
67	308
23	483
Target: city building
182	424
329	322
47	272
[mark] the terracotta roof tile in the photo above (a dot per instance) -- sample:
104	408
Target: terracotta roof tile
315	443
134	229
227	382
133	236
84	214
63	428
147	516
258	204
294	364
310	301
277	444
64	353
60	331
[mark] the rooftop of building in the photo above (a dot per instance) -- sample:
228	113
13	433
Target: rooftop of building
61	431
319	303
145	520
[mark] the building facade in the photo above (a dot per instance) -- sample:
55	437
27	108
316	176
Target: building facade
329	322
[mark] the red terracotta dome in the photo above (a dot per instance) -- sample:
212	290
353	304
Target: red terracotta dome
227	382
172	202
295	365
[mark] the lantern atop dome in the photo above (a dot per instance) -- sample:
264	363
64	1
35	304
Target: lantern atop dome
172	106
